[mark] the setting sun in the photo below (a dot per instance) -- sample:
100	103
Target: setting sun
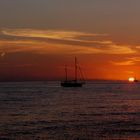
131	79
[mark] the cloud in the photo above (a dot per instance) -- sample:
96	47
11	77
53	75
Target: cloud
45	47
54	41
11	46
129	61
123	63
119	49
130	72
50	34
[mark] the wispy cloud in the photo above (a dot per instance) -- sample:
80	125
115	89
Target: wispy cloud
52	34
51	41
123	63
127	62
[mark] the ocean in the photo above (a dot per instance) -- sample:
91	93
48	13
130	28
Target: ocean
100	110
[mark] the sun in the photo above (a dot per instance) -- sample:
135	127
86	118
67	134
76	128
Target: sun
131	79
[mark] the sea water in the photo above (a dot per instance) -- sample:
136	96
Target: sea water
46	111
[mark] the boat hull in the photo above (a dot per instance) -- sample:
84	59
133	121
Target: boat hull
71	84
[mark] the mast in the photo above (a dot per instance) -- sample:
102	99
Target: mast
81	73
66	72
75	69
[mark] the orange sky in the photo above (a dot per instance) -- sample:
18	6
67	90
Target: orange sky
36	44
45	60
31	54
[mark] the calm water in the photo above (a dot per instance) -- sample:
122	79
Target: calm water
46	111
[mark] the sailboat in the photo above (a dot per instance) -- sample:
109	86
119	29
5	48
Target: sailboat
75	82
135	79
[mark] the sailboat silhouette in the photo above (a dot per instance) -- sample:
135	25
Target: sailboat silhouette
75	82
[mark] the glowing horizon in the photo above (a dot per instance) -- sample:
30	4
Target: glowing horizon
37	42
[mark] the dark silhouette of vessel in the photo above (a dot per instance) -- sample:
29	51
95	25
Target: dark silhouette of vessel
136	80
75	82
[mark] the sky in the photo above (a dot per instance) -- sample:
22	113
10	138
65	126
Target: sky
38	37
